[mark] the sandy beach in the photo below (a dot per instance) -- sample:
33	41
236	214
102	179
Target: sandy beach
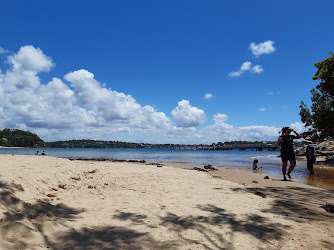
57	203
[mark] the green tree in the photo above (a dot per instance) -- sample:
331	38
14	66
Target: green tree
321	116
19	138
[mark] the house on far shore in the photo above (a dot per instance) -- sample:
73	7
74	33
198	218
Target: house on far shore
40	145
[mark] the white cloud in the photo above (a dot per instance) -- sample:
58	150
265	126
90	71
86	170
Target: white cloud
208	96
262	109
299	127
3	51
246	66
33	105
219	118
80	107
262	48
30	59
187	116
109	104
20	80
2	104
149	118
257	69
234	73
221	131
257	133
273	93
257	50
25	65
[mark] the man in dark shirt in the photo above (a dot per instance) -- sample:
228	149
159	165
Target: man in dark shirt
287	152
310	156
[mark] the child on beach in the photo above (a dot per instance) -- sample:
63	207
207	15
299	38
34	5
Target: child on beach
255	164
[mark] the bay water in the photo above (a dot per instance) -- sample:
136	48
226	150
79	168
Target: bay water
233	159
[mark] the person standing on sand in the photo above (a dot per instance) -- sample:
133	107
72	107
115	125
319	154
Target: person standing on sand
287	153
309	154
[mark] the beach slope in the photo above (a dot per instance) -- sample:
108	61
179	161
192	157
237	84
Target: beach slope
56	203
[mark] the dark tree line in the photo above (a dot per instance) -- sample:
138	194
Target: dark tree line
321	116
92	144
19	138
102	144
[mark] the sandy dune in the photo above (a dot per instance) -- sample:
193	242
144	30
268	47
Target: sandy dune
57	203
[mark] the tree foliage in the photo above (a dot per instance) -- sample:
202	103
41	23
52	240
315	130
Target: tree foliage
19	138
321	116
102	144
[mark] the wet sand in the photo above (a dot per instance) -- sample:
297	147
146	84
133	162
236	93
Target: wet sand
322	178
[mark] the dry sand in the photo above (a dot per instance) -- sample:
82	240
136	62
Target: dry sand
55	203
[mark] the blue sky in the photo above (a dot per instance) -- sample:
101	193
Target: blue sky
140	70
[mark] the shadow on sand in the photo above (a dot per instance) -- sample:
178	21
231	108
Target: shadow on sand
22	220
125	238
108	238
292	202
296	202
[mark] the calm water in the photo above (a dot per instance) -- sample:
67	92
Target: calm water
243	160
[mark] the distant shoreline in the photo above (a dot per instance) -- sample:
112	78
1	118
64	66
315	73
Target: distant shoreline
10	147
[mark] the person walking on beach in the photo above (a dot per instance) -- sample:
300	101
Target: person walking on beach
309	153
287	153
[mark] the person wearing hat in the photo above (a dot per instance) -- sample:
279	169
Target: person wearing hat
309	153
